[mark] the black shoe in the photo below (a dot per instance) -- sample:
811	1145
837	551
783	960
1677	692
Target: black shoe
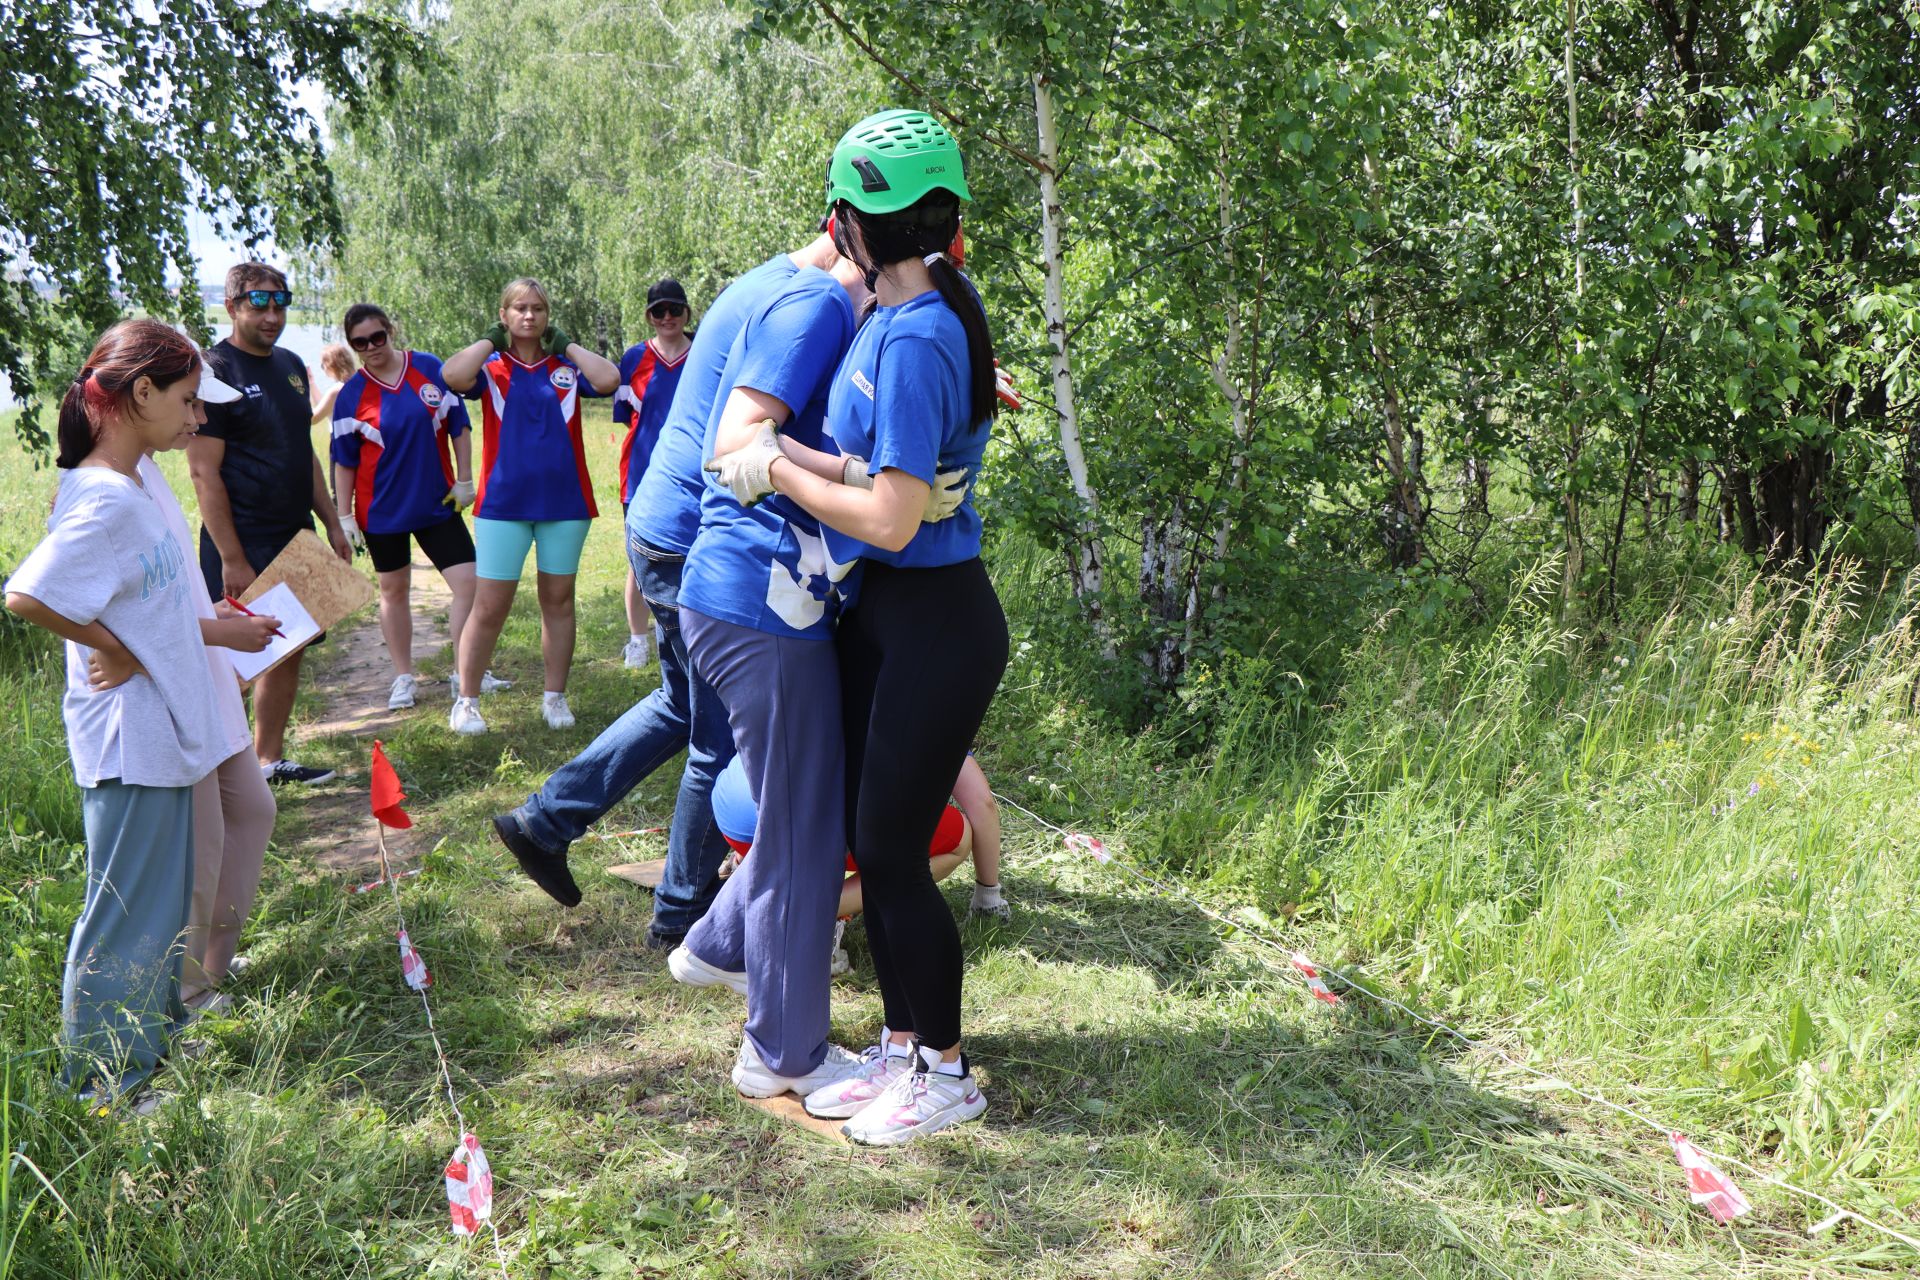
544	868
281	772
658	941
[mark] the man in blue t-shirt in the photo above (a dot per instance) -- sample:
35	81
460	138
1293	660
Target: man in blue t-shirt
684	712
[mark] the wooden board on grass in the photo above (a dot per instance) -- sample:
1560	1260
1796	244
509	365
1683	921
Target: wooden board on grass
787	1107
645	874
328	587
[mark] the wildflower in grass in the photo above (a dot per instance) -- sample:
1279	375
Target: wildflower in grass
1753	789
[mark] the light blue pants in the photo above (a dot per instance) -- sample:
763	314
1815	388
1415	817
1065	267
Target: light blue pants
774	917
120	997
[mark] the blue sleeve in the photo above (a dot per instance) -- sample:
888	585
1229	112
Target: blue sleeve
622	410
791	349
915	400
457	422
345	450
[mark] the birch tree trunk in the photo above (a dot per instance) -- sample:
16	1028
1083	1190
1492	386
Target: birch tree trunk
1089	555
1575	565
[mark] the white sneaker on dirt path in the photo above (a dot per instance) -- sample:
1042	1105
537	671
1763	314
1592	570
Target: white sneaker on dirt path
400	696
491	683
915	1104
638	653
554	707
690	970
845	1098
754	1078
466	717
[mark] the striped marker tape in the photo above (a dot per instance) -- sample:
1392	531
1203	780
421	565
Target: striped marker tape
469	1187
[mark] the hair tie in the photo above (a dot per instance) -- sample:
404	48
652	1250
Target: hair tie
81	381
932	258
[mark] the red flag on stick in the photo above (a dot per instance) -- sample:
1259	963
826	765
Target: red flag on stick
387	795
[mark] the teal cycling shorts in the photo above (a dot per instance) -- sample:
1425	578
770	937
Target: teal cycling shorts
500	546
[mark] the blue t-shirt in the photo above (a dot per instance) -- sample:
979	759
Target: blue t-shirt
396	436
666	506
647	383
766	566
900	400
533	460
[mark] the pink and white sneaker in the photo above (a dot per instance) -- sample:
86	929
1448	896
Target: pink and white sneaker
914	1104
845	1098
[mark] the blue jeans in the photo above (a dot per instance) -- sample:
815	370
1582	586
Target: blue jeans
684	713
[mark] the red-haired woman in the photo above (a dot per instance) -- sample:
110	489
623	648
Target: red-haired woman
143	726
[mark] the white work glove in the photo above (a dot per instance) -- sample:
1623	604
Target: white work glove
948	491
356	539
988	901
746	471
460	497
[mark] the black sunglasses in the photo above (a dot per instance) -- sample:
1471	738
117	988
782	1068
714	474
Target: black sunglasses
259	299
661	310
369	341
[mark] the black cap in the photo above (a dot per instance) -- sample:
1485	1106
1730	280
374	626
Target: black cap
667	290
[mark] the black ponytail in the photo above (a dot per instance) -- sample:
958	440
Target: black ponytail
74	436
873	241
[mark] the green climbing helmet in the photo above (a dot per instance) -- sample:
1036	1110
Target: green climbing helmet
889	161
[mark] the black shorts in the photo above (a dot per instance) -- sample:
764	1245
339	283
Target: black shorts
260	548
447	544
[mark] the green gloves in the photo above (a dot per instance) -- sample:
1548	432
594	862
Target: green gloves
497	336
556	341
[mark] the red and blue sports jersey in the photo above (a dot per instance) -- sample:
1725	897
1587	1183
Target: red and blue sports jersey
533	462
647	383
396	437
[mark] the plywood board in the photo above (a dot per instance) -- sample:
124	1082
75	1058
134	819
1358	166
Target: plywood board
786	1106
328	586
645	874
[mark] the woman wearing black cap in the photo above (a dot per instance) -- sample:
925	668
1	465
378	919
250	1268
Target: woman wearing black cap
649	372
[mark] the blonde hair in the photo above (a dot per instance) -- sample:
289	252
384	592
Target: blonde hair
525	284
336	361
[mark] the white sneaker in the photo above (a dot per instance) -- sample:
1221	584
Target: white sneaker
639	652
554	707
752	1077
839	964
466	717
691	970
491	683
915	1104
400	696
849	1097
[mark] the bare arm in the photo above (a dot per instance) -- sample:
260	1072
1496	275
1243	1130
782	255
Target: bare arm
888	515
462	369
740	420
323	412
463	457
975	798
343	478
601	373
204	455
329	518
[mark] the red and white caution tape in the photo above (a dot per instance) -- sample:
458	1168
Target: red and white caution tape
412	967
1314	984
1707	1185
469	1187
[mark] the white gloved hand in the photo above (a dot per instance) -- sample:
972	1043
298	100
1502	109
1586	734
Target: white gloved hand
460	497
944	498
747	471
351	528
853	472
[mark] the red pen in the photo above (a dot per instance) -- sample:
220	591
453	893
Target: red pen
251	614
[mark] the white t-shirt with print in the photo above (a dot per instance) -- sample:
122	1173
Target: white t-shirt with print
226	684
109	557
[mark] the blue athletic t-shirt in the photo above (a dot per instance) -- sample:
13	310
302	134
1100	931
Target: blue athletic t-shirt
647	383
396	439
533	460
766	566
666	506
900	400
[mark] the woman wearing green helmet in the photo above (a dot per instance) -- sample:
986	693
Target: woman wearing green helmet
923	646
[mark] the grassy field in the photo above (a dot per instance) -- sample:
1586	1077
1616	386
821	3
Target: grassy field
1673	862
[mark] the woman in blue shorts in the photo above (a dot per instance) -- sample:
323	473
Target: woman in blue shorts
534	491
922	646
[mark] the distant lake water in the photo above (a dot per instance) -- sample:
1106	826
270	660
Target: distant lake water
304	340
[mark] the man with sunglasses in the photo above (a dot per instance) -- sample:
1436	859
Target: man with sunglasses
259	482
649	373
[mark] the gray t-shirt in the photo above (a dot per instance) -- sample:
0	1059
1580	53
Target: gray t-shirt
109	557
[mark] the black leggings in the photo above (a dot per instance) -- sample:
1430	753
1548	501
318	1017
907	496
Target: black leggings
920	656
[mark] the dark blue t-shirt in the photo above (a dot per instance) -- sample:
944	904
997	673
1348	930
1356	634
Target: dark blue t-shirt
766	566
666	505
901	400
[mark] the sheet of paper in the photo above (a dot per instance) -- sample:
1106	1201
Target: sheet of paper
295	622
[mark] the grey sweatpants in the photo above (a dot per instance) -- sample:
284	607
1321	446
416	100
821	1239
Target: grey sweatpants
774	917
120	997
